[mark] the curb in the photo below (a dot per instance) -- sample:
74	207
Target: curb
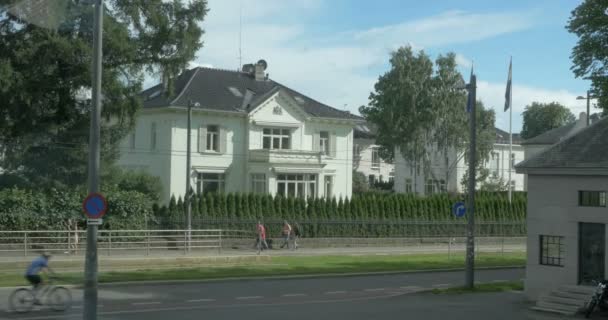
281	277
289	277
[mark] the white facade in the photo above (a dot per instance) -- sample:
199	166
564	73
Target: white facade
276	148
447	174
368	161
555	215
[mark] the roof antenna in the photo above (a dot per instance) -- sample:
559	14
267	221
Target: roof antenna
240	35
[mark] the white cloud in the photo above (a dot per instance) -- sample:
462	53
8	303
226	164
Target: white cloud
341	68
493	95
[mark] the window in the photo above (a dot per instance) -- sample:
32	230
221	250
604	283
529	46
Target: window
153	136
375	158
442	187
372	179
258	183
329	187
408	186
430	187
210	182
213	138
391	176
296	185
551	250
495	164
132	141
512	160
512	185
592	198
324	142
276	138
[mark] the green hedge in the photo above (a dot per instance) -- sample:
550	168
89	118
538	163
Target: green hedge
29	210
369	214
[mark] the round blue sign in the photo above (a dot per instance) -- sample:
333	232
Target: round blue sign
459	209
95	206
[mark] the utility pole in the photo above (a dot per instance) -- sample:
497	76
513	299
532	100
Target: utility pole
470	258
90	268
188	172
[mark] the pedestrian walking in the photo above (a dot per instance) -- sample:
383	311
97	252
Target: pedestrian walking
261	237
296	234
286	234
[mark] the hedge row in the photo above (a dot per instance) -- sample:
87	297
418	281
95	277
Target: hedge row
371	214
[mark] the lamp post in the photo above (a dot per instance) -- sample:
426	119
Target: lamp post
588	98
188	172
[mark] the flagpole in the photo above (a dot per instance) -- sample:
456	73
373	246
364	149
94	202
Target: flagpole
510	129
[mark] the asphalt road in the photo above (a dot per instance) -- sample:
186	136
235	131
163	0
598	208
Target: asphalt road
362	297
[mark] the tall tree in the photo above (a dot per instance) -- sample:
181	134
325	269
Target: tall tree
541	117
590	55
486	136
45	65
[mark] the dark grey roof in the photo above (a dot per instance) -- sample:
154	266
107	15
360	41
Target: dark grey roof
366	130
211	88
587	149
552	136
503	137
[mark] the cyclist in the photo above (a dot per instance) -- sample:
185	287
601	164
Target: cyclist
32	274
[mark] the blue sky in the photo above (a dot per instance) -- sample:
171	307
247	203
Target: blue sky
334	50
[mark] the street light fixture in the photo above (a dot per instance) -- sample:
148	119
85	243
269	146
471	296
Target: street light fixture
588	98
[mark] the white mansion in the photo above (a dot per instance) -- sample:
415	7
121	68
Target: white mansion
249	134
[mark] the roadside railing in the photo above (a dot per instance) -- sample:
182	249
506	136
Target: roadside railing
115	241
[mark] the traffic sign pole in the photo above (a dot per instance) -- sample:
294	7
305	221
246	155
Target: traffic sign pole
91	264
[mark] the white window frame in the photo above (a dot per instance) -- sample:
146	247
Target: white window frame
329	187
409	185
430	186
371	180
258	183
301	184
277	133
324	144
201	179
213	138
375	158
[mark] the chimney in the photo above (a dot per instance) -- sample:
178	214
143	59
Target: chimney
260	67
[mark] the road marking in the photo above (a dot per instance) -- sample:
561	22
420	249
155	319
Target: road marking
295	295
200	300
145	303
335	292
249	297
374	290
441	285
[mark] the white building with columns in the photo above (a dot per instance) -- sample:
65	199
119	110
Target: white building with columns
249	134
445	174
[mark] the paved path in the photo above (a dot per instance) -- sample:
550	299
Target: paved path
363	297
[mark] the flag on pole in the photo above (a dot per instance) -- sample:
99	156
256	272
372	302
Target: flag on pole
508	91
470	95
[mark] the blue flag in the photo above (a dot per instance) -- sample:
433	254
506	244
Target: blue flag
508	91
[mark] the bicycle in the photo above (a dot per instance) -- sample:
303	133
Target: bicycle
58	298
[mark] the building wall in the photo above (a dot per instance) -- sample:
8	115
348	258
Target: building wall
553	210
242	134
141	156
363	163
455	169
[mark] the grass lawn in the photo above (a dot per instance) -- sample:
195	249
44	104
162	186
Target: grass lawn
484	287
295	265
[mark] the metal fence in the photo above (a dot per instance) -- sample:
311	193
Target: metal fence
115	241
365	228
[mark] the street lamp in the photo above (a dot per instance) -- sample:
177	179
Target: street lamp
188	172
588	98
